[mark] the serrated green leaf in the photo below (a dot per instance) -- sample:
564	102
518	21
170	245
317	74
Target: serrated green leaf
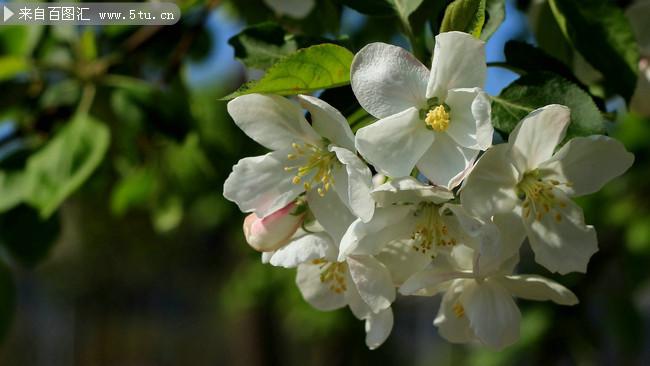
64	164
599	30
11	66
495	14
317	67
536	90
465	16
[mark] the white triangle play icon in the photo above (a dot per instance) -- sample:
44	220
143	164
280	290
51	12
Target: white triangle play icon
8	13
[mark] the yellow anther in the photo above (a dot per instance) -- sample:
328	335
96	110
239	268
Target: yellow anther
296	180
459	310
438	119
314	166
539	196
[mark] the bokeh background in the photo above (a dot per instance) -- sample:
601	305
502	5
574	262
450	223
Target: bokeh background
145	264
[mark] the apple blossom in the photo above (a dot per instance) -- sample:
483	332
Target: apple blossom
316	159
273	231
525	176
437	120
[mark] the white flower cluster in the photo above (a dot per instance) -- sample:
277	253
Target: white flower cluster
356	239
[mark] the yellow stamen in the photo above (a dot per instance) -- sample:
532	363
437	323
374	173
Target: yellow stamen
438	119
314	166
459	310
332	274
430	229
539	197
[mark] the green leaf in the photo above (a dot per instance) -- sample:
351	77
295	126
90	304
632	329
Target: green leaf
64	93
599	30
136	189
7	299
405	8
536	90
64	164
28	237
12	188
465	16
317	67
496	13
11	66
260	46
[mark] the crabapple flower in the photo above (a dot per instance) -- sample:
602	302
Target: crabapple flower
360	282
413	213
318	159
273	231
478	305
526	177
436	120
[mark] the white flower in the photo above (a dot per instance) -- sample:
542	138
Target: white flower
411	225
297	9
273	231
360	282
478	305
437	121
525	176
315	158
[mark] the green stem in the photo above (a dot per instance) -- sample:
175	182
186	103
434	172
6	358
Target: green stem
511	105
87	98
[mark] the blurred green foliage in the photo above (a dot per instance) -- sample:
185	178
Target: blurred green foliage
116	246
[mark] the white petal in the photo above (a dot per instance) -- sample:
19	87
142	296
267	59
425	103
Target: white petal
387	79
490	187
561	245
266	257
409	190
272	121
440	270
446	163
536	136
401	260
356	184
470	125
261	184
533	287
394	144
373	282
331	213
493	315
303	249
458	62
587	163
314	291
328	122
369	238
378	328
452	327
359	308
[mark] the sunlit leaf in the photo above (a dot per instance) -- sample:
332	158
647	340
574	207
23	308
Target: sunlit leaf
11	66
465	16
496	14
313	68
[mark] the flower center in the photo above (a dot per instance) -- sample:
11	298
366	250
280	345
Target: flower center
538	196
430	229
459	310
316	172
332	274
437	118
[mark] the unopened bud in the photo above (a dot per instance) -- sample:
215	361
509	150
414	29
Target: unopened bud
273	231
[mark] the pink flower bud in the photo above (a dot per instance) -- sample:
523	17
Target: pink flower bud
273	231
